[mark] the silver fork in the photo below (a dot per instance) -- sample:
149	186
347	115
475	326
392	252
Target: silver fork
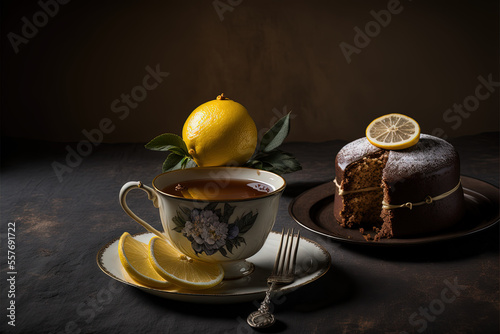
283	273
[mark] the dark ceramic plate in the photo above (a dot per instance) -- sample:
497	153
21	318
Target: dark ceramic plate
313	210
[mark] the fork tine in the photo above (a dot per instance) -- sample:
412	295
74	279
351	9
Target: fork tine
282	267
294	261
288	252
278	255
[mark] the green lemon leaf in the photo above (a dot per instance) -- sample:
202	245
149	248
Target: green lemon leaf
178	151
166	142
275	161
276	135
172	162
253	164
187	162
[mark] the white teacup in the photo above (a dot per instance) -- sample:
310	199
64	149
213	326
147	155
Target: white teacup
217	231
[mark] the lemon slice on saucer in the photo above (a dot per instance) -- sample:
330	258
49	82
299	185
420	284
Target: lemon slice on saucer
134	257
393	132
181	269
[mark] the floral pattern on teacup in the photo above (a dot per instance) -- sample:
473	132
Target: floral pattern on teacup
208	229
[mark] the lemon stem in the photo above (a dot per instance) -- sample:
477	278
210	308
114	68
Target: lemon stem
222	97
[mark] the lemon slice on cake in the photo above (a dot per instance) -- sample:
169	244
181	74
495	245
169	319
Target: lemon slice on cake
134	256
393	132
181	269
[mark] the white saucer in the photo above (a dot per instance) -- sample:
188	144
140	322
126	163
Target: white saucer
313	261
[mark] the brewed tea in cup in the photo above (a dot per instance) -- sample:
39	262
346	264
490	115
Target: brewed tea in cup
214	214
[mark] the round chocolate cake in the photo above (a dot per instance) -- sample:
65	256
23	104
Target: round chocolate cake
408	192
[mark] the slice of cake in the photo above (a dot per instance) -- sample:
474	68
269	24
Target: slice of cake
398	193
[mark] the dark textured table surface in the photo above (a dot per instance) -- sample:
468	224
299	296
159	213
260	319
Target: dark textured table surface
61	224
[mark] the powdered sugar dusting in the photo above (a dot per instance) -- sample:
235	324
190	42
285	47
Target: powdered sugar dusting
430	154
355	151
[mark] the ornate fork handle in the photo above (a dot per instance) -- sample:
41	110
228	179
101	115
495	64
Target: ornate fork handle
264	306
263	316
283	273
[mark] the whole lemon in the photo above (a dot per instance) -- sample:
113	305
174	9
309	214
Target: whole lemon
220	132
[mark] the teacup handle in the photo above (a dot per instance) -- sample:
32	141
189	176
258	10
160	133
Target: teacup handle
151	195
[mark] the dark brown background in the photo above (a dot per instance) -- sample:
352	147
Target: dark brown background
267	55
